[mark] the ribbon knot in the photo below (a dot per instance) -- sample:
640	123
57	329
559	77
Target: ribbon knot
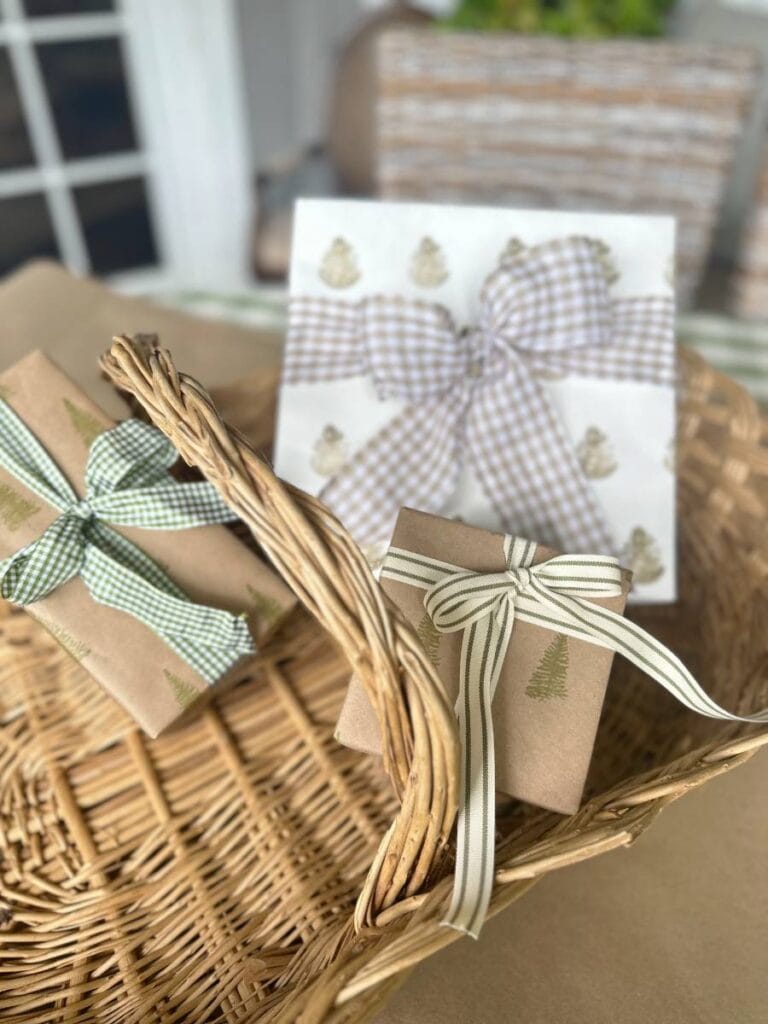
473	395
82	510
457	601
519	578
126	484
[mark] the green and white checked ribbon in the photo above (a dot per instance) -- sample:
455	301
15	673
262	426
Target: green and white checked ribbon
126	484
484	606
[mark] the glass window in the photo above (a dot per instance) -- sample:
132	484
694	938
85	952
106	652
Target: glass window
116	225
15	147
85	81
52	8
27	231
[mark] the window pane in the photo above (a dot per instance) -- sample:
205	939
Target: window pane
27	231
15	148
116	225
85	81
50	8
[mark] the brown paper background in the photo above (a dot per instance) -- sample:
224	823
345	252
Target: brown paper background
73	319
543	748
668	931
207	562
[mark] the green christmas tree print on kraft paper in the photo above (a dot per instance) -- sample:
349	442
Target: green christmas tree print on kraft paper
548	678
184	692
430	639
266	609
78	649
15	510
87	426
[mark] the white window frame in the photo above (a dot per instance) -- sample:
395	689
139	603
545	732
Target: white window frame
186	92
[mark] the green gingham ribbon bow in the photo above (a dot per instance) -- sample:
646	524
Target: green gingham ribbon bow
126	484
484	606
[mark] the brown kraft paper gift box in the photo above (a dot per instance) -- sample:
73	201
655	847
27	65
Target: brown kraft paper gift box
550	693
152	683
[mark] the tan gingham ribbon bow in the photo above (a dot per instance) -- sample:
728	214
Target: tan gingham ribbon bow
484	607
474	394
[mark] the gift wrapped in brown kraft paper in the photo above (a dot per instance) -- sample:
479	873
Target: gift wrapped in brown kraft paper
212	568
551	686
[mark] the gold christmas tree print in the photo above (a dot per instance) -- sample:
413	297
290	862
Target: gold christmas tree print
595	454
428	269
184	692
338	268
670	458
330	451
605	259
641	555
548	373
670	271
548	679
266	609
374	553
15	510
78	649
427	632
511	250
86	425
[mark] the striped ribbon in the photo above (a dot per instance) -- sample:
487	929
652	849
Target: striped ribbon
555	595
127	484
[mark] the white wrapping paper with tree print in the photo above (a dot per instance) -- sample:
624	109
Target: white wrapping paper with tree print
496	357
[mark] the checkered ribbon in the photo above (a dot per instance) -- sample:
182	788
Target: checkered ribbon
475	394
126	484
484	606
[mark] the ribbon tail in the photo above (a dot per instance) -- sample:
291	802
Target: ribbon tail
411	461
528	467
120	576
587	621
483	649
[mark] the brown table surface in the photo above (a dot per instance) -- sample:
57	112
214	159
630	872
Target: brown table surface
673	930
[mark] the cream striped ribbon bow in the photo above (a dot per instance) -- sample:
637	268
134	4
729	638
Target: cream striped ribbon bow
555	595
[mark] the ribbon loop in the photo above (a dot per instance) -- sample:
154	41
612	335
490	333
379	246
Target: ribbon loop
130	457
47	563
549	298
127	484
458	601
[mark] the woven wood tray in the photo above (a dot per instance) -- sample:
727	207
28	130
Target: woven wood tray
247	868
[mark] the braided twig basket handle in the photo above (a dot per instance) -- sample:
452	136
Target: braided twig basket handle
327	571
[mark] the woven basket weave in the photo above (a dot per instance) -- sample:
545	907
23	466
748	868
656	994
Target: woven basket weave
247	868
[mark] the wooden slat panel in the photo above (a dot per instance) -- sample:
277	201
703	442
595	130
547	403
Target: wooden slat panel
560	124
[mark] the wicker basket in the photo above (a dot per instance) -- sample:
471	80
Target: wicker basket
247	868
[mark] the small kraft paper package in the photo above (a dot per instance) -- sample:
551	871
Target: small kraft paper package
550	687
157	613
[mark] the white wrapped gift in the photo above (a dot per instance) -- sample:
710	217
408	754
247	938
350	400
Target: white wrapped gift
511	368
